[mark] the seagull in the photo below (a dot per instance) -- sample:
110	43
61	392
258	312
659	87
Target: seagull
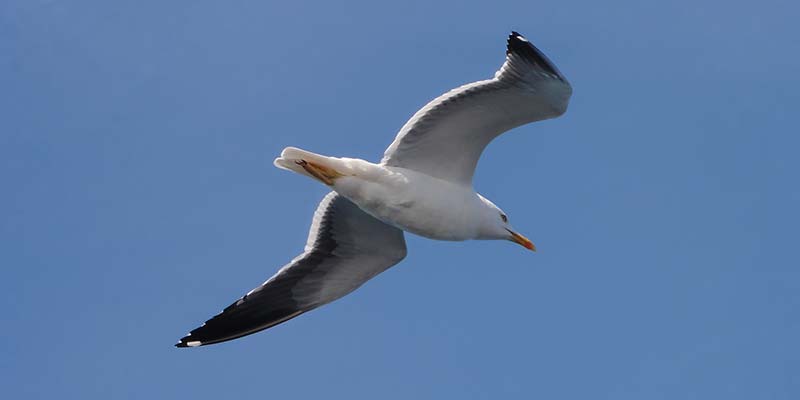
422	185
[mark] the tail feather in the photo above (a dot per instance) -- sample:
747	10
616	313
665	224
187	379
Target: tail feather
293	153
292	158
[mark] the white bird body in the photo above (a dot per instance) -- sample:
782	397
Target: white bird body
410	200
417	203
422	185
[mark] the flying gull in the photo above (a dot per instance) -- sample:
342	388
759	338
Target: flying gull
422	185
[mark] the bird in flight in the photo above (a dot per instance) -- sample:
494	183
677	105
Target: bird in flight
422	185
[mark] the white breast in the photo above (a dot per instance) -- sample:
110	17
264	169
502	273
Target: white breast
416	202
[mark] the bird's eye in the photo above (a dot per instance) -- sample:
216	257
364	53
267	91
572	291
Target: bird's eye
503	217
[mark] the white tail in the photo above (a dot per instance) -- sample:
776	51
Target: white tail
289	158
292	158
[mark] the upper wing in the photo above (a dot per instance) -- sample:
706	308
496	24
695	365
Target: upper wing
346	247
445	138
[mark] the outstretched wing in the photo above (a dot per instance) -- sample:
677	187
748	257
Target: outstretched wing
445	138
346	247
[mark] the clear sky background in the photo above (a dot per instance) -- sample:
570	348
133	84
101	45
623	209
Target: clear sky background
138	198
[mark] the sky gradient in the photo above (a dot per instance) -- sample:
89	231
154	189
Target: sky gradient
139	199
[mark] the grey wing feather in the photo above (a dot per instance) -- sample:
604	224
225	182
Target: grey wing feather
346	247
445	138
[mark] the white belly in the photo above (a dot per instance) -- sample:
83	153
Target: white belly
416	202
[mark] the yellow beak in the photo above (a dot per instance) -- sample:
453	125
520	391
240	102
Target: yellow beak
522	240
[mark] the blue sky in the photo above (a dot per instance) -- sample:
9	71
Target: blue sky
139	198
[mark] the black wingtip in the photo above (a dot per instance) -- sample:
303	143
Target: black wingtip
516	43
519	45
187	341
184	342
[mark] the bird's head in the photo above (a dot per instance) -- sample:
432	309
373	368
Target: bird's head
496	226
